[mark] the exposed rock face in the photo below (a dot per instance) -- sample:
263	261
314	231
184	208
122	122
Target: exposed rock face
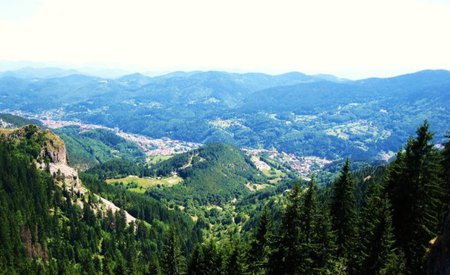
53	157
439	256
55	150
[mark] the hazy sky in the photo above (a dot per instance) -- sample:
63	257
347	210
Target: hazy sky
348	38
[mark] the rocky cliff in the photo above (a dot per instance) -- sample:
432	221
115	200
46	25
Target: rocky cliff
51	155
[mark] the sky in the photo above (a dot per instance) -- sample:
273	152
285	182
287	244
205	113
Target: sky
348	38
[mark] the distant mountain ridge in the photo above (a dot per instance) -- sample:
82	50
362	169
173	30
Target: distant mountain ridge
30	72
296	113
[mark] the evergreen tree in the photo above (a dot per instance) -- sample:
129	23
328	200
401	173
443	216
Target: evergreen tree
377	246
197	262
414	189
257	254
317	241
284	256
172	259
446	178
233	265
344	216
206	259
213	259
154	268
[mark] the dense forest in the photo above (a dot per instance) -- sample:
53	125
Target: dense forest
375	220
96	146
45	229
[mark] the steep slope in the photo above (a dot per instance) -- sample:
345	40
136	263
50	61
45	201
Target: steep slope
51	223
50	155
87	148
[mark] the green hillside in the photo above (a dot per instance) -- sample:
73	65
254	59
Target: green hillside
89	148
48	229
16	121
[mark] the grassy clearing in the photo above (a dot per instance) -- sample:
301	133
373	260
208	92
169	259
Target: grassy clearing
274	175
156	159
140	185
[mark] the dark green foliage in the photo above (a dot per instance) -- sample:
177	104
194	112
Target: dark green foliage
96	146
257	254
172	260
197	264
414	189
284	257
208	259
317	242
118	168
439	254
377	244
344	215
148	209
356	226
24	204
217	173
233	263
446	177
43	230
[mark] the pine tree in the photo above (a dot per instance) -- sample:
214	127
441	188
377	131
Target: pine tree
316	239
325	255
197	262
414	189
377	246
284	257
446	178
233	265
213	260
154	268
344	216
172	258
257	254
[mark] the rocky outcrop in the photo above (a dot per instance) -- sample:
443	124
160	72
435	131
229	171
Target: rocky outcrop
53	158
54	149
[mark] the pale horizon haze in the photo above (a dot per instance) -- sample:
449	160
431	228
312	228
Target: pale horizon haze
349	38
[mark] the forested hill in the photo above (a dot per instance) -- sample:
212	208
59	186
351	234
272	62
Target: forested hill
51	223
214	173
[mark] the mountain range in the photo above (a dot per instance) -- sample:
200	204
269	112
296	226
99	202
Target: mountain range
293	112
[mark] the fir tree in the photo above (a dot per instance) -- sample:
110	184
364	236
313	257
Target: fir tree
377	246
197	262
415	190
233	265
172	258
344	215
446	178
257	254
316	239
284	257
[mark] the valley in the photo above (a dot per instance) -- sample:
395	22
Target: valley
293	113
205	172
224	137
154	149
